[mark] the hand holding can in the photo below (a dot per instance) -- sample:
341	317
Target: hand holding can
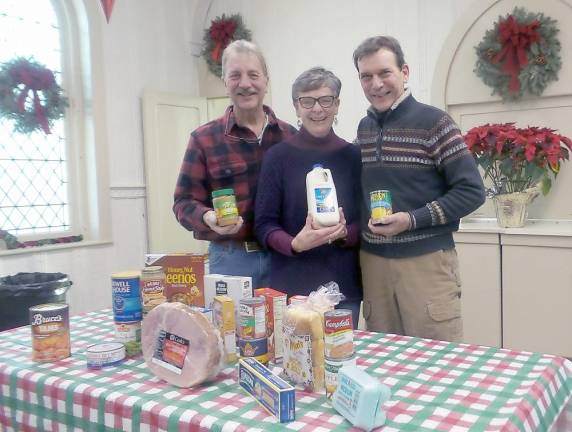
380	205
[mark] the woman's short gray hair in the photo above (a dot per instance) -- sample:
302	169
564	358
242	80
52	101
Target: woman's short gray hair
313	79
246	47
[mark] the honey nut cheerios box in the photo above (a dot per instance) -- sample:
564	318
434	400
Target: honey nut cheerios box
184	274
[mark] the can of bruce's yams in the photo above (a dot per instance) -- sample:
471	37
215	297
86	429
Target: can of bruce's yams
380	204
252	318
126	297
50	332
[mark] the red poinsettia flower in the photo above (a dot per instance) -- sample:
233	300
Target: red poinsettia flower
515	159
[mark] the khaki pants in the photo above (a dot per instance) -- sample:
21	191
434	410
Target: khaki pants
417	296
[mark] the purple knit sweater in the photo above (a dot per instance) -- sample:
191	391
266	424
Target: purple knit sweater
281	211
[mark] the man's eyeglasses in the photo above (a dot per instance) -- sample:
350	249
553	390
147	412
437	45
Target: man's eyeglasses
309	102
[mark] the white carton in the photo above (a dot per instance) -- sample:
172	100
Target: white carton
236	287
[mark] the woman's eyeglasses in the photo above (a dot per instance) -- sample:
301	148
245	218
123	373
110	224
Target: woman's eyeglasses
309	102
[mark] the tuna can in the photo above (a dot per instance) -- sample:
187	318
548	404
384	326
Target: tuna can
104	355
252	347
152	286
252	318
50	332
331	369
126	297
338	334
129	334
380	204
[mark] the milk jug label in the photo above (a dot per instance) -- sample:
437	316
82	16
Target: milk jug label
324	200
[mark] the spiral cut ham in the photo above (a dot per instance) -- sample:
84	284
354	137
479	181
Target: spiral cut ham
180	345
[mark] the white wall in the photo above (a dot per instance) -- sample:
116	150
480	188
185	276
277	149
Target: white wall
145	45
148	44
298	34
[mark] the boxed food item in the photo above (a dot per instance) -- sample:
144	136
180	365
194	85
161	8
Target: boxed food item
236	287
275	305
223	320
184	275
273	393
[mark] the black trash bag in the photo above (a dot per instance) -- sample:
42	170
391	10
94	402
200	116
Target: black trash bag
23	290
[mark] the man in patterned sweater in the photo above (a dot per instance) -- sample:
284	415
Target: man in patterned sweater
409	263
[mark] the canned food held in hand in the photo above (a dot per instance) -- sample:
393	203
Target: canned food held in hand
380	205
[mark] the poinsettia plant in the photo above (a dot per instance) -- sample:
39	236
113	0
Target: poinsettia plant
517	159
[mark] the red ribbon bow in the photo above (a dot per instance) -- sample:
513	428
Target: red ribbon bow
221	32
515	39
34	80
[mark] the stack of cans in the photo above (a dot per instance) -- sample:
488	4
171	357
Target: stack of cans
338	346
127	310
252	337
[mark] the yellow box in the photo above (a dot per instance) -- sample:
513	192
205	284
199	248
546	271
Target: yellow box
224	321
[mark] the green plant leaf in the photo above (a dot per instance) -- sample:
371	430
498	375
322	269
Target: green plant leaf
546	184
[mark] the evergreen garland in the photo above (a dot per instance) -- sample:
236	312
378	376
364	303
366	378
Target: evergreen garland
543	60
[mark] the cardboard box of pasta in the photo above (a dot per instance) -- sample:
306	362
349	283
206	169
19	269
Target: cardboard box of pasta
184	276
275	306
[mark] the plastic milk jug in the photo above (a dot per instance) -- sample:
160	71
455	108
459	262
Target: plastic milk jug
321	195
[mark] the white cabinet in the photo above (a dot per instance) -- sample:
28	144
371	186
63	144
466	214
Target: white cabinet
479	264
517	285
537	293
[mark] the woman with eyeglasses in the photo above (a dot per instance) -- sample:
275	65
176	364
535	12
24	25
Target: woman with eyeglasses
304	256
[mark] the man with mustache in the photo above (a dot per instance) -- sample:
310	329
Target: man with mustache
227	153
416	152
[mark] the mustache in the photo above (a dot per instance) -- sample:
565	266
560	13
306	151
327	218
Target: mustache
246	92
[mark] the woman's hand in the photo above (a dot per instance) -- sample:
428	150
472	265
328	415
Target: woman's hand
209	218
310	237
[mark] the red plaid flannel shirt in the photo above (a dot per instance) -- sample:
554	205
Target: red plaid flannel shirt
222	154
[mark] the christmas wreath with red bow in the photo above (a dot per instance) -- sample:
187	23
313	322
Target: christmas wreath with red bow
30	96
222	31
521	53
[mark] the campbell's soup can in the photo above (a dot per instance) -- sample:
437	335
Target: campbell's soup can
252	318
126	297
50	332
380	204
338	334
331	369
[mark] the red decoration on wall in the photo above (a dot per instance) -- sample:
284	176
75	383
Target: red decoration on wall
107	8
515	39
221	33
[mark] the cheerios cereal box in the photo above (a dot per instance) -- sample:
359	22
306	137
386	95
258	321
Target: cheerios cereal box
184	276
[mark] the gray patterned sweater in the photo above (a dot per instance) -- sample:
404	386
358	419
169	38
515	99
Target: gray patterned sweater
417	152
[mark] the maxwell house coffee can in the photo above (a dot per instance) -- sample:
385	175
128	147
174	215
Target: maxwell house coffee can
126	297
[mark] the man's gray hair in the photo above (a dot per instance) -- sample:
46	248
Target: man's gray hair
246	47
313	79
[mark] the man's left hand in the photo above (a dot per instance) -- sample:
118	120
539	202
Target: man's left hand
391	225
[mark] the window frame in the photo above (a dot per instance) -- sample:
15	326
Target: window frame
85	127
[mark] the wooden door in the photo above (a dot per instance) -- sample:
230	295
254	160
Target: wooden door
168	121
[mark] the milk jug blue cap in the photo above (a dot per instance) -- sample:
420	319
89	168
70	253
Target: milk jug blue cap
317	166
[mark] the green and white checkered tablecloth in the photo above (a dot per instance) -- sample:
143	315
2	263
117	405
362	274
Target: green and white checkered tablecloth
436	386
